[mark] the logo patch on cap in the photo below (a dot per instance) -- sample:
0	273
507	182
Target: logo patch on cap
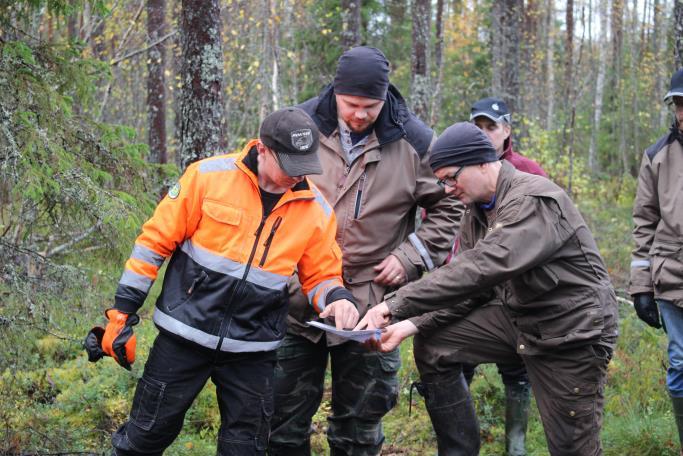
302	139
495	106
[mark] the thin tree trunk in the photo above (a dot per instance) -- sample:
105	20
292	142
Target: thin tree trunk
678	33
156	82
636	60
201	106
593	164
269	66
570	90
531	71
618	83
568	82
350	23
438	63
420	83
659	43
550	66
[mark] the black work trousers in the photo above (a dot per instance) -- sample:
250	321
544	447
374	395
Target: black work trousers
174	375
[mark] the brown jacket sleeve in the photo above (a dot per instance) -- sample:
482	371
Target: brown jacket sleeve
646	216
428	246
527	232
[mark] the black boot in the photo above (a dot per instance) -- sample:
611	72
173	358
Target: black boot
678	416
517	398
451	410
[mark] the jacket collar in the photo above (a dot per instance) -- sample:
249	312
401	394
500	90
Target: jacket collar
389	124
507	172
507	149
248	163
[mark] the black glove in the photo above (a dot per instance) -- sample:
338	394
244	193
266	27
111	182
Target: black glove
93	344
646	308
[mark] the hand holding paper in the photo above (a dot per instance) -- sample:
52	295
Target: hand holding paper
358	336
344	312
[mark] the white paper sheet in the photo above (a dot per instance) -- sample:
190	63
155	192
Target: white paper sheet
359	336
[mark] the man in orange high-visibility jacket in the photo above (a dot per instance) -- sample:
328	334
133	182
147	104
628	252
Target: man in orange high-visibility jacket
236	228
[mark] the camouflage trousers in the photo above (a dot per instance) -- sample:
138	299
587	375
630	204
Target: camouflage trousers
364	389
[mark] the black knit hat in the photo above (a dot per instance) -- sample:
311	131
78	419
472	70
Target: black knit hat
461	144
364	72
293	136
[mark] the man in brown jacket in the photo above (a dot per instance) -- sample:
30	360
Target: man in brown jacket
523	238
373	152
657	264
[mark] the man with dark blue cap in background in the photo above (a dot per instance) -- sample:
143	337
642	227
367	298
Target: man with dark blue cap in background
524	242
657	263
373	152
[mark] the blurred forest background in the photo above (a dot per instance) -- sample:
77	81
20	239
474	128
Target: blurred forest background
103	103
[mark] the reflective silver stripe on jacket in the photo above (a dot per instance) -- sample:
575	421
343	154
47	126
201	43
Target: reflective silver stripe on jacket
197	336
232	268
326	286
422	250
640	264
320	199
142	253
219	164
135	280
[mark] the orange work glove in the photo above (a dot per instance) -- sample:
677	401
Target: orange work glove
118	340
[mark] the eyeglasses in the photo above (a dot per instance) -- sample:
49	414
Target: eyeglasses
452	180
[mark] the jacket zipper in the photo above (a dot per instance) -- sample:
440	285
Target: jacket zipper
238	288
359	196
266	244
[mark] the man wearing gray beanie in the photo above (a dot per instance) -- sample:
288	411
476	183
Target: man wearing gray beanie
524	242
374	156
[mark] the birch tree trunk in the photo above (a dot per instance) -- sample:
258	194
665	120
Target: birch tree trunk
351	23
156	82
201	104
506	21
420	83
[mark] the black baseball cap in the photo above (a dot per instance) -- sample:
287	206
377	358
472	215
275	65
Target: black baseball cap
294	137
493	108
676	87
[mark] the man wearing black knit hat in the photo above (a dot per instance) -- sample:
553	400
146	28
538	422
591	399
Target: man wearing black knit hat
524	242
373	153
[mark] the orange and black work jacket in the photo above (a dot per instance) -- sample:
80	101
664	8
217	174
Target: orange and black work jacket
225	286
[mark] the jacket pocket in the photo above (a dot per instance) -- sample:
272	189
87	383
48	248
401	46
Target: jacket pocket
221	212
223	228
667	265
200	279
148	397
581	324
532	284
